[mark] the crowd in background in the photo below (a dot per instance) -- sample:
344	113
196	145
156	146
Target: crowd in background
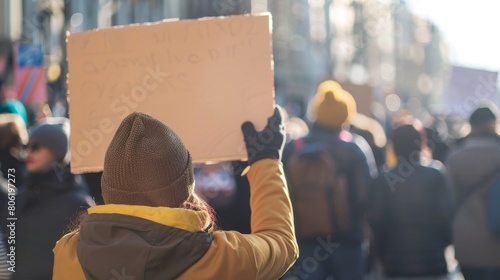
399	195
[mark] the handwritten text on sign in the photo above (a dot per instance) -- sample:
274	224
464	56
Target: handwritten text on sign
203	78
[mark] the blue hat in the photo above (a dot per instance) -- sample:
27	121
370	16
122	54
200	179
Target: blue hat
13	106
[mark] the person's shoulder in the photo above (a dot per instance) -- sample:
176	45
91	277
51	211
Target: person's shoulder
434	165
433	168
77	195
386	180
383	175
468	145
352	139
354	144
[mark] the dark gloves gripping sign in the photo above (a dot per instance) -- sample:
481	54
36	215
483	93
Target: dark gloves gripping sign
267	143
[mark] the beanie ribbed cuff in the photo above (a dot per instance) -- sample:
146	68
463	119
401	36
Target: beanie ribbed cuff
176	193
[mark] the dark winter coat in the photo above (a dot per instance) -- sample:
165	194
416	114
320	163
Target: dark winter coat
45	207
410	211
10	162
473	160
118	241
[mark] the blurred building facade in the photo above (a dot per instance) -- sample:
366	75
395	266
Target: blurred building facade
375	43
296	62
422	64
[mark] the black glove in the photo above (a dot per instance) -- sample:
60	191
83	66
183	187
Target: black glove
269	142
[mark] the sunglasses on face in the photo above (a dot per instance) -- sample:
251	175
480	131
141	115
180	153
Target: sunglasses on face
33	147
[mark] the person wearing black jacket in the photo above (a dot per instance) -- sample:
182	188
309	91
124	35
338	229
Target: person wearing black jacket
48	201
473	166
410	211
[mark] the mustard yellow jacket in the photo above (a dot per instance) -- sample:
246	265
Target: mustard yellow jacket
124	241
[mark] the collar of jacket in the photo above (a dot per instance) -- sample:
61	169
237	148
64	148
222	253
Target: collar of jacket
140	241
321	132
185	219
55	177
485	135
318	128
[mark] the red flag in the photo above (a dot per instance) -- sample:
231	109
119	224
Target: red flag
29	74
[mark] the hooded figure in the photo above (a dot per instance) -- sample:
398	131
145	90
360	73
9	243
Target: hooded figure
49	199
153	226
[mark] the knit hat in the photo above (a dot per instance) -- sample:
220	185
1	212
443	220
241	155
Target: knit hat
332	106
13	106
53	133
482	115
146	164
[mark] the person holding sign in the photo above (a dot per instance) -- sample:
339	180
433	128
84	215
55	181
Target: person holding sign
153	226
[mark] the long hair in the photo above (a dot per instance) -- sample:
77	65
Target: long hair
207	221
195	203
76	222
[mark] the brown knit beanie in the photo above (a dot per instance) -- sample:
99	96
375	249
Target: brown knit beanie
332	106
146	164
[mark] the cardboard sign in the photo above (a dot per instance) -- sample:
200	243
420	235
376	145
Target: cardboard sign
203	78
468	88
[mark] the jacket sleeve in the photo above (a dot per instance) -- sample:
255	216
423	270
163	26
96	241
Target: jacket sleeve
270	250
445	206
361	175
369	158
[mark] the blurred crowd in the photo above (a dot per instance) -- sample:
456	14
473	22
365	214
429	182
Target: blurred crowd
372	199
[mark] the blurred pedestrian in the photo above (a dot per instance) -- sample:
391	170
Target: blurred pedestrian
410	211
13	136
296	128
374	134
439	137
12	106
48	200
329	171
44	112
472	167
227	192
153	225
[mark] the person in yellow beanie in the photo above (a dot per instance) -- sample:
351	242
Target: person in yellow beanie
332	106
341	252
153	226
